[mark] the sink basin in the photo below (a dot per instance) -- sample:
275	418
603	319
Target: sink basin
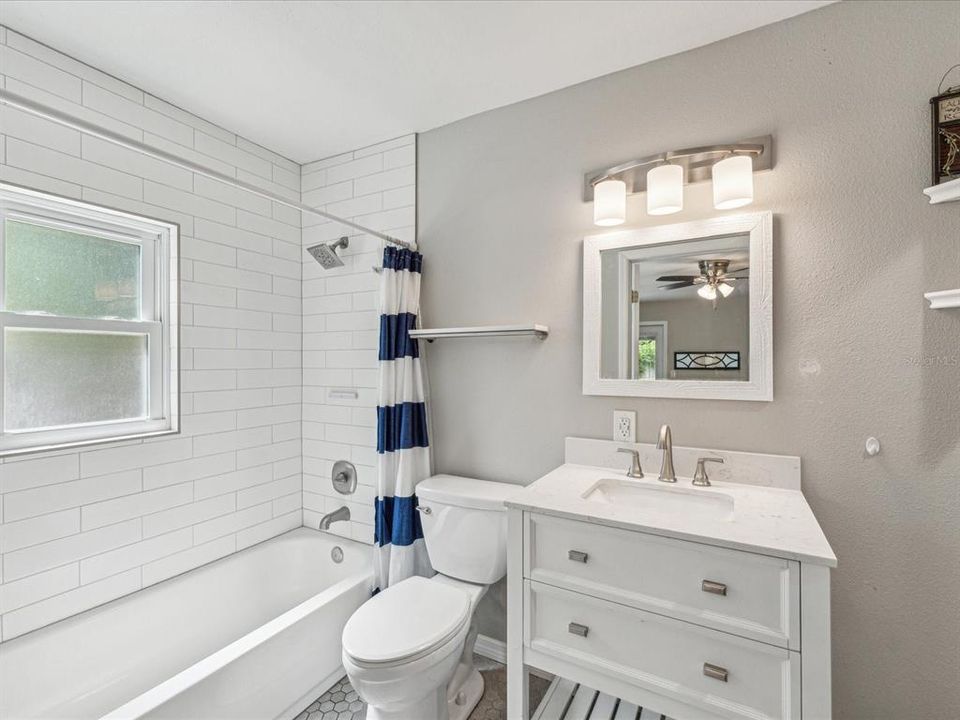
661	499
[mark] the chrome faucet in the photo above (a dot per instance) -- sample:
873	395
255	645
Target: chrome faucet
634	471
330	518
665	443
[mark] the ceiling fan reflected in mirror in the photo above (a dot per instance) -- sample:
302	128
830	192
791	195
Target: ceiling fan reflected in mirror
716	280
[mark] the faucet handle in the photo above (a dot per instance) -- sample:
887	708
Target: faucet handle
700	475
635	470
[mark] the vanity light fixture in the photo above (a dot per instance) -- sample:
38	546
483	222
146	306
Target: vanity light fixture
610	203
733	182
665	189
730	166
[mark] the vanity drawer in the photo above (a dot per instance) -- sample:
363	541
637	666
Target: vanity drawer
754	596
727	676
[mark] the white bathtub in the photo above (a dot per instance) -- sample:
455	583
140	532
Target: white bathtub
254	635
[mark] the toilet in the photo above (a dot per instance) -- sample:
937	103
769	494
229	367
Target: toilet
408	651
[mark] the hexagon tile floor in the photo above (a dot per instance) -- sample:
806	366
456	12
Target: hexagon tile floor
338	703
342	703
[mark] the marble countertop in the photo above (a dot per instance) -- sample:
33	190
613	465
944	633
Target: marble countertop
766	520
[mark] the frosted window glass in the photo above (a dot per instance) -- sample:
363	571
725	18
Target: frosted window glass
67	273
56	378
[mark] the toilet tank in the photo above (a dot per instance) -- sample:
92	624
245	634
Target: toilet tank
465	526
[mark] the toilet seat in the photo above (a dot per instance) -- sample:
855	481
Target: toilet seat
405	622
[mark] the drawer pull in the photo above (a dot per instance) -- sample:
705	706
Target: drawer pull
710	586
715	671
582	630
577	555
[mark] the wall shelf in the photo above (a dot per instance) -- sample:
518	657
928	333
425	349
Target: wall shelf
944	192
540	332
943	299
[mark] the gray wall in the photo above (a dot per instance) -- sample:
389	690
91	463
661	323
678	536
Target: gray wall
845	92
692	324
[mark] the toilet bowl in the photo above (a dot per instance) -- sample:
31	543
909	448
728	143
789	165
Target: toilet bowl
408	651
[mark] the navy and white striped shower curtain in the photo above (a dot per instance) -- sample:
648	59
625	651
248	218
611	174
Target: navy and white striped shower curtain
402	445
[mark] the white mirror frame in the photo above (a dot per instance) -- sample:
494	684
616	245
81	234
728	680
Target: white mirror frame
759	387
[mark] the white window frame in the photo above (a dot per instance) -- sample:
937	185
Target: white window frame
159	315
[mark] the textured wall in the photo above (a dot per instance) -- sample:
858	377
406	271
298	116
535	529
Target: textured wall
844	90
82	528
375	186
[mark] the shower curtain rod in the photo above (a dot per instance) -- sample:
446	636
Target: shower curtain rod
71	121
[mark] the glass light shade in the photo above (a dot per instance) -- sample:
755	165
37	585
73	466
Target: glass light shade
665	190
707	292
609	203
725	289
733	182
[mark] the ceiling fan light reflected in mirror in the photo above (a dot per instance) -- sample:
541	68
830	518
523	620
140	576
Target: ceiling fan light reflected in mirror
707	292
716	280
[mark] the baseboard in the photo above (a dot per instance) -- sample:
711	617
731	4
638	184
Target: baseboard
494	649
491	648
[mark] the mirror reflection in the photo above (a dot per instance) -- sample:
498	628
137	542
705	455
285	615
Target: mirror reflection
676	311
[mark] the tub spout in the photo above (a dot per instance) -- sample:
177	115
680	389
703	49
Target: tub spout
339	514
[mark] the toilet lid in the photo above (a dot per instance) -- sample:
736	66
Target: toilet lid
408	619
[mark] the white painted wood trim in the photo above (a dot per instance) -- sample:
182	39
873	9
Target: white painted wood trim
944	192
815	657
491	648
760	385
517	677
943	299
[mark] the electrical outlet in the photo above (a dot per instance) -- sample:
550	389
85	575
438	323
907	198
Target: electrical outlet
625	426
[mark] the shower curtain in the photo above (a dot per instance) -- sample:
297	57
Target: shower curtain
402	446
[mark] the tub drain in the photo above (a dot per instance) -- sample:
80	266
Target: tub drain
337	554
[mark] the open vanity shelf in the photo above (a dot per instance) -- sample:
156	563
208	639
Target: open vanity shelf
567	700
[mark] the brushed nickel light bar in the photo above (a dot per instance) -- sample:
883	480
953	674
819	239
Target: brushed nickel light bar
697	163
71	121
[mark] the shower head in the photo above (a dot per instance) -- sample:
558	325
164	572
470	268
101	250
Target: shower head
326	255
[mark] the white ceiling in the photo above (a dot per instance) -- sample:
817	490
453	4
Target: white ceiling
312	79
682	258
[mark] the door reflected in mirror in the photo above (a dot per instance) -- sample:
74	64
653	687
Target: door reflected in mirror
676	311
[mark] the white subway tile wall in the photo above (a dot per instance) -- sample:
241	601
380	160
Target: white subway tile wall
83	528
375	186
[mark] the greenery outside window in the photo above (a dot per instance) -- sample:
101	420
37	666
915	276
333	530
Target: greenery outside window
88	323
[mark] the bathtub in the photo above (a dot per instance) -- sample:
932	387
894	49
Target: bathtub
254	635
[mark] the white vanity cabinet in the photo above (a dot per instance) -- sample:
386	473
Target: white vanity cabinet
690	627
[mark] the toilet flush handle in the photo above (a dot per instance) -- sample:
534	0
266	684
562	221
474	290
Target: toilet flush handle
425	509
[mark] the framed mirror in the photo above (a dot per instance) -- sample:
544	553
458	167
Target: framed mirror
680	311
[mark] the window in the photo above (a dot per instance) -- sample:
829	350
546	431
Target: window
650	362
88	323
